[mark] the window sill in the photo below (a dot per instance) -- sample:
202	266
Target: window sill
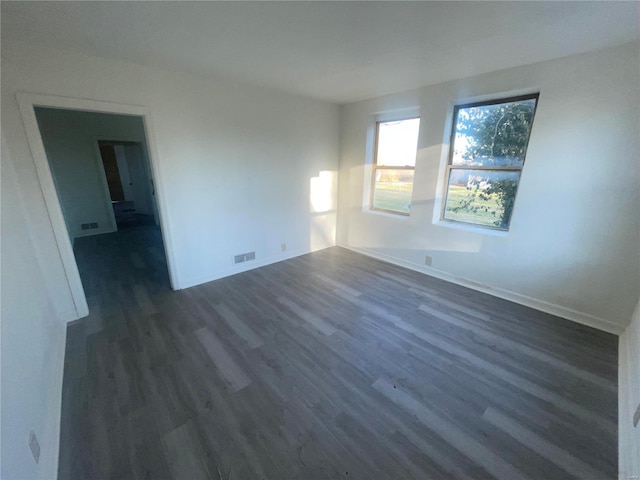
384	213
471	228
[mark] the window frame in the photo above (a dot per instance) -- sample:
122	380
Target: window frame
375	166
505	168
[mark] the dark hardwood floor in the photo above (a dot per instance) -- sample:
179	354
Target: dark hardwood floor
329	365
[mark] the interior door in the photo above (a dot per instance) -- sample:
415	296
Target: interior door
125	175
112	172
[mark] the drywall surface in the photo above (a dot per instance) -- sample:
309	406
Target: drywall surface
629	399
32	346
238	168
70	140
572	246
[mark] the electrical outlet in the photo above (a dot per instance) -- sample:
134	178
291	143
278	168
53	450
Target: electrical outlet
34	446
427	260
283	247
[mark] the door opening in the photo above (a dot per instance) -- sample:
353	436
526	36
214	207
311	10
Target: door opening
104	183
56	207
129	182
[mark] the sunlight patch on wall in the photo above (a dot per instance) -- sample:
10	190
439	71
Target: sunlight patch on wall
322	205
322	192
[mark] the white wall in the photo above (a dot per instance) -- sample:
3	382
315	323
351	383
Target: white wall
572	247
629	398
32	345
70	140
237	162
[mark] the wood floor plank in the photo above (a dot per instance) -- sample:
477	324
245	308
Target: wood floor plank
339	285
546	449
470	447
517	381
241	328
184	455
521	348
311	318
225	364
144	302
137	260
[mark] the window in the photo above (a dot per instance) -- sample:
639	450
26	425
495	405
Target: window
395	160
488	147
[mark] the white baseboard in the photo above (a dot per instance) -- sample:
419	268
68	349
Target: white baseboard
244	267
541	305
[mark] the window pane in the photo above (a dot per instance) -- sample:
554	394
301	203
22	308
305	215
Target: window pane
493	135
397	143
392	190
483	197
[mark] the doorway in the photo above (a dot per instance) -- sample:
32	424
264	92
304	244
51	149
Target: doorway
129	182
83	164
70	216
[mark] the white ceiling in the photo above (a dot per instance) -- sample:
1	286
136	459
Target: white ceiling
336	51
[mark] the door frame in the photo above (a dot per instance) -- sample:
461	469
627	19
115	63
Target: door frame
27	102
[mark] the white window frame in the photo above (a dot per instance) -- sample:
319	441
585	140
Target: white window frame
408	114
447	155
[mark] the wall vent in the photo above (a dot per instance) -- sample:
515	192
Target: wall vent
244	257
88	226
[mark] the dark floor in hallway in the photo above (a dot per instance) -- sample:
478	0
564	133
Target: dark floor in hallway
329	365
